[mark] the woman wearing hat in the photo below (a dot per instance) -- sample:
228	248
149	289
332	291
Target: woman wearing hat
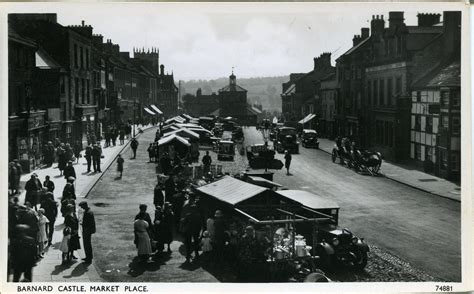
142	238
167	225
42	232
70	220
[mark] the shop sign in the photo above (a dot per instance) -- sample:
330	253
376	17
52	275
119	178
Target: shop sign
35	122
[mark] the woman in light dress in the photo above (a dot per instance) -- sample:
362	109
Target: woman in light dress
142	238
42	232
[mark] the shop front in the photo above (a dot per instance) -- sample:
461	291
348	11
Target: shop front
35	139
17	143
87	125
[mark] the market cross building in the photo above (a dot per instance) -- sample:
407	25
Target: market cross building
233	103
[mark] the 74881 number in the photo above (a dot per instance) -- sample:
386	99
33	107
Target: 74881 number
444	288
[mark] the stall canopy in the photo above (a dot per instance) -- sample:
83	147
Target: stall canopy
183	132
231	190
308	199
177	119
169	128
173	138
149	111
187	116
156	109
307	118
263	182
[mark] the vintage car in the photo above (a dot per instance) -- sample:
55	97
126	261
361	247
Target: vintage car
309	138
262	156
334	245
225	150
286	140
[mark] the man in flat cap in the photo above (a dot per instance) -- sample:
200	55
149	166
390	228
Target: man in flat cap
88	228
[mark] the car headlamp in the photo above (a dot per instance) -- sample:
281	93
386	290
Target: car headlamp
335	241
355	240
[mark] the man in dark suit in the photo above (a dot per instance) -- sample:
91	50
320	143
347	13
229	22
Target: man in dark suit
96	153
88	156
48	184
134	145
88	228
69	171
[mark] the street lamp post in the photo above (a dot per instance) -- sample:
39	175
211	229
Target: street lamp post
134	116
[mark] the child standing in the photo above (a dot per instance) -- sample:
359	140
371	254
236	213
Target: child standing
120	165
206	245
42	232
64	247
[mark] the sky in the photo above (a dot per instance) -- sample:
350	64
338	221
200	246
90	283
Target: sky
198	41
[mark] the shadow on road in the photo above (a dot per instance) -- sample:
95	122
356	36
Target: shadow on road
78	271
62	267
138	266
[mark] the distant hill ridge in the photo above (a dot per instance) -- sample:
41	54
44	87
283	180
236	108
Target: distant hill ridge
262	90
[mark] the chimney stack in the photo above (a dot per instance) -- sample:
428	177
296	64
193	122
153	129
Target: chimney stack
428	19
356	40
364	33
452	32
377	25
395	19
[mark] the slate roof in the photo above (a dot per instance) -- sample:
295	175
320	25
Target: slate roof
348	52
447	75
232	88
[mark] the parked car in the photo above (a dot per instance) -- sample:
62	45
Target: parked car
309	138
286	140
226	150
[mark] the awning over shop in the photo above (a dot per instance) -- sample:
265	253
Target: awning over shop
149	111
231	190
173	138
156	109
307	118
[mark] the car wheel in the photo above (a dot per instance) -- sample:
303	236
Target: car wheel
361	259
316	278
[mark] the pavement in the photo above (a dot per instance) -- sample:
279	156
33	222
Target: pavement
410	176
49	268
